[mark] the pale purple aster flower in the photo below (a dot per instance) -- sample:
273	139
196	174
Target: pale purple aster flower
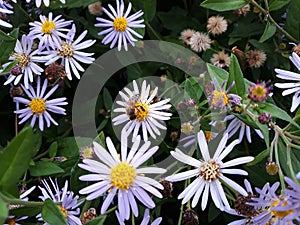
69	204
293	81
145	221
49	31
236	125
121	26
122	176
15	219
269	205
38	3
39	105
5	8
69	52
27	62
209	173
140	112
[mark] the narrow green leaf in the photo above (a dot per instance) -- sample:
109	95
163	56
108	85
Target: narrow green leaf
236	76
190	90
277	112
44	168
293	19
53	149
108	102
262	155
3	211
97	221
5	37
277	4
102	125
15	158
270	30
51	213
223	5
217	74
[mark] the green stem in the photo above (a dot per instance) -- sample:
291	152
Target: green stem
153	31
289	163
281	176
271	20
180	215
132	219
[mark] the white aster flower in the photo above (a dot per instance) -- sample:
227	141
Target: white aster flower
120	27
121	176
39	105
236	125
69	52
5	8
27	62
145	221
139	110
69	201
209	173
49	31
294	78
38	3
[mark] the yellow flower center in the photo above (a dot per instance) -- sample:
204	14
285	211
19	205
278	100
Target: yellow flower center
120	24
48	26
67	50
22	58
259	91
187	128
122	175
208	135
280	214
141	111
219	98
37	105
10	221
209	171
63	211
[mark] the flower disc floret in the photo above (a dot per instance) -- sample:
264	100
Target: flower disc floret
48	27
142	111
22	58
210	171
37	105
122	176
120	24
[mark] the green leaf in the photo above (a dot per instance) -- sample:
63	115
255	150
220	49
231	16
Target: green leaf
223	5
7	44
71	4
51	213
6	37
148	7
53	149
45	168
9	67
108	102
268	33
217	74
293	19
68	147
277	4
236	76
97	221
190	89
15	158
262	155
277	112
3	211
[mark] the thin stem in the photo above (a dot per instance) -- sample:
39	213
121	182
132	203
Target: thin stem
16	124
289	163
281	176
271	20
153	31
132	219
181	208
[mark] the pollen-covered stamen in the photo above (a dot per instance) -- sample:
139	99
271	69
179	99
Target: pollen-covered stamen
209	171
22	58
37	106
48	27
208	135
141	111
120	24
66	50
219	99
122	176
63	211
280	214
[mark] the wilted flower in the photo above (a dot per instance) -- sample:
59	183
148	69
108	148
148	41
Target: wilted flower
216	25
190	217
209	173
220	59
95	8
186	35
256	58
264	118
187	128
119	28
200	42
272	168
260	91
243	11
